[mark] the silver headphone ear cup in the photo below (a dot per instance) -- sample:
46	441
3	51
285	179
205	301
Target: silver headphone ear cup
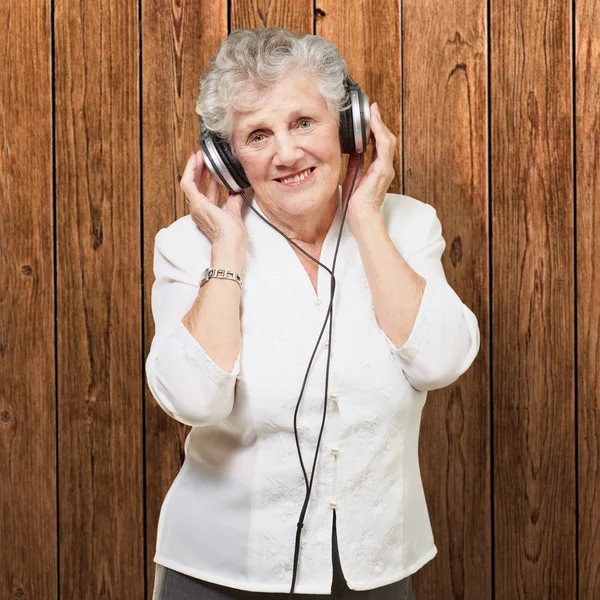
233	164
216	166
355	122
359	101
220	161
365	111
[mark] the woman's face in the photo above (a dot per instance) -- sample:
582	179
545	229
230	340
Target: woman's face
293	131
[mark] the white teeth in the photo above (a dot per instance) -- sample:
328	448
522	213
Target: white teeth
300	177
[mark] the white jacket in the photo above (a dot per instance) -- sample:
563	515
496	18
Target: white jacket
230	516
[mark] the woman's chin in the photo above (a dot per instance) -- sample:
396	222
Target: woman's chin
303	202
296	200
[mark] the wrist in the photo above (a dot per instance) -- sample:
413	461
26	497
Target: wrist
228	257
366	221
217	273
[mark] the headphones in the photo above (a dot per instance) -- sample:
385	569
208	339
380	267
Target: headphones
355	131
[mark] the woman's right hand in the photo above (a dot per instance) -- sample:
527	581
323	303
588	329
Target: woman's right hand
224	228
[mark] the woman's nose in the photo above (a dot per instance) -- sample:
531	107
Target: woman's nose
287	150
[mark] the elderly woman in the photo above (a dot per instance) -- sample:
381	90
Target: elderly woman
301	469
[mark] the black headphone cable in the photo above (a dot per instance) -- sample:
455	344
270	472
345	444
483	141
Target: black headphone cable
328	318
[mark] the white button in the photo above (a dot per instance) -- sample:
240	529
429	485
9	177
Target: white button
333	396
326	344
334	450
333	504
317	301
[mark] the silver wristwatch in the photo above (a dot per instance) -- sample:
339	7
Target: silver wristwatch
211	272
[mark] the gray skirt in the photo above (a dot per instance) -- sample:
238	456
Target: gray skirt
172	585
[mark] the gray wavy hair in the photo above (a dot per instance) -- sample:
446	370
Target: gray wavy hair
251	61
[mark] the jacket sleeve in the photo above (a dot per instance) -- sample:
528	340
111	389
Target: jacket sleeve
445	337
187	384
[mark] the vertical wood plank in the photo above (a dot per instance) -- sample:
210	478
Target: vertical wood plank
176	47
28	550
444	51
251	14
368	36
587	77
99	304
533	300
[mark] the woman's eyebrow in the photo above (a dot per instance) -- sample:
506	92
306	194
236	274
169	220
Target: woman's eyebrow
259	125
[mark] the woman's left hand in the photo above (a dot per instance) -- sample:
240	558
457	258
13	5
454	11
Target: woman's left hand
370	188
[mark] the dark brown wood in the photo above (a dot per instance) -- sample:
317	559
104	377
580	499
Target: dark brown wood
177	44
28	540
533	300
587	77
444	57
368	36
99	300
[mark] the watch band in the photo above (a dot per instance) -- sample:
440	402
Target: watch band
211	272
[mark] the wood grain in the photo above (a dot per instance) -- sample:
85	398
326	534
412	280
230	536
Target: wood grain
533	300
99	300
28	540
444	81
367	34
177	45
587	183
251	14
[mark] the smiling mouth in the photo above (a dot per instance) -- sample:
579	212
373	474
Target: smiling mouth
296	178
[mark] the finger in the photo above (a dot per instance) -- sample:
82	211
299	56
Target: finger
188	183
383	136
374	154
188	172
213	190
234	204
199	170
384	145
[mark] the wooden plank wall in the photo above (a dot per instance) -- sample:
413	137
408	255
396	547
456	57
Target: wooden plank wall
586	189
495	106
99	309
532	263
28	466
444	155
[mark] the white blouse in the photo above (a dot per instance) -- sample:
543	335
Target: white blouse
230	516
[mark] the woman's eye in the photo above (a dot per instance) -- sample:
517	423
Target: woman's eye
257	138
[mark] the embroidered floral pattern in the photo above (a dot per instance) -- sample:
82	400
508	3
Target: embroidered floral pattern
369	552
313	560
